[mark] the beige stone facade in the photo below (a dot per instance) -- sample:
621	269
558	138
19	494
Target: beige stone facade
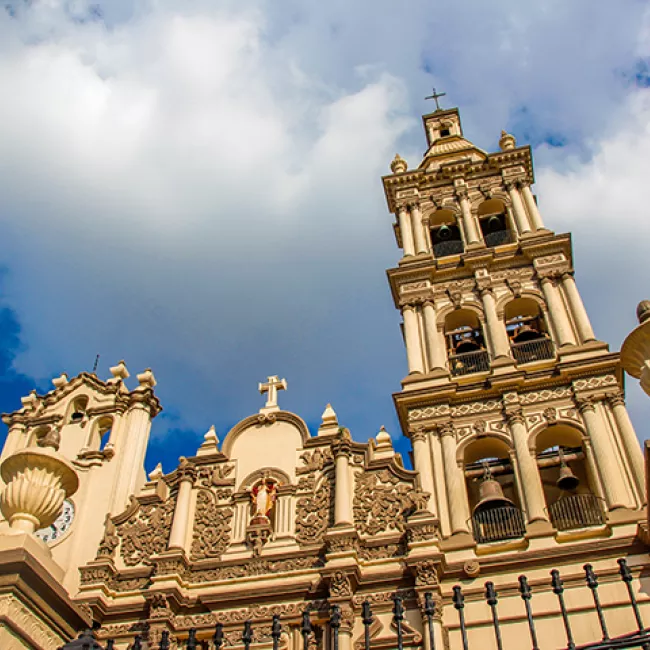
524	460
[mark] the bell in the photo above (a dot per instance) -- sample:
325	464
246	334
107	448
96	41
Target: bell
494	223
77	416
525	333
567	479
444	232
491	495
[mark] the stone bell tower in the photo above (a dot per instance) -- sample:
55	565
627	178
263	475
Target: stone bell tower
514	408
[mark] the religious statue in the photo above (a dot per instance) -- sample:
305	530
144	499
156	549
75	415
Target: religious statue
263	497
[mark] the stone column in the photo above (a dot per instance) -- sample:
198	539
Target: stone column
496	329
531	482
418	230
181	520
531	206
437	352
458	506
412	339
342	492
630	442
558	316
422	465
578	310
518	209
406	230
615	493
15	436
468	220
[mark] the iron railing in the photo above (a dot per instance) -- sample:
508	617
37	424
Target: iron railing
640	638
497	238
529	351
576	511
498	524
448	247
468	363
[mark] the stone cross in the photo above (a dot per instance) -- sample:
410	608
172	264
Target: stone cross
435	97
272	386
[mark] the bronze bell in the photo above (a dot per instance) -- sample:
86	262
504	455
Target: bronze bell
490	494
567	479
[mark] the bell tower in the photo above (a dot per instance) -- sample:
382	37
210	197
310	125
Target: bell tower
514	408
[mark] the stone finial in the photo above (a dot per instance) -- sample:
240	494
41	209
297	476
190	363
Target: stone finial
37	481
119	372
60	381
383	444
507	141
30	401
398	165
146	379
156	473
643	311
210	442
330	422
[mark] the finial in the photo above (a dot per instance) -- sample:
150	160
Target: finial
156	473
643	311
146	379
398	165
330	422
60	381
119	372
30	401
507	141
383	437
210	442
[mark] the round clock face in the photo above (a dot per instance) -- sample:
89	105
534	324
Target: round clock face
60	526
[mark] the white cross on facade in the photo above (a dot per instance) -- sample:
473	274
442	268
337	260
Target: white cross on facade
272	386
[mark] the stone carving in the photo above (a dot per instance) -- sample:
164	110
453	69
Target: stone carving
426	574
414	286
146	532
544	395
11	609
314	461
381	502
479	427
159	606
421	531
211	527
342	542
217	477
95	574
384	551
254	567
461	410
471	568
550	415
385	597
110	540
340	586
595	382
313	514
429	412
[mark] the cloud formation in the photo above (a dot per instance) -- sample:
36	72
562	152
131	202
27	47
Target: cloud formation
196	187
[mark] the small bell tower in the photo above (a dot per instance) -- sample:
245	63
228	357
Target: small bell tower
102	429
514	408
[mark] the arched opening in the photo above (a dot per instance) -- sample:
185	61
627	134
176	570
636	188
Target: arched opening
78	409
567	479
465	343
492	491
527	331
104	427
445	234
493	220
38	434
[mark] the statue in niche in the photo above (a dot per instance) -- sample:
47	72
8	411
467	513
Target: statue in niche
263	496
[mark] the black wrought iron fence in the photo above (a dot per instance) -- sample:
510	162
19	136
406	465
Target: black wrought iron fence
469	362
535	350
577	511
448	247
498	524
639	638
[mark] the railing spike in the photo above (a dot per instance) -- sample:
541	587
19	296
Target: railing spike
305	628
626	577
558	590
335	624
491	598
247	635
367	619
276	631
526	595
429	611
398	613
459	603
217	638
164	641
592	583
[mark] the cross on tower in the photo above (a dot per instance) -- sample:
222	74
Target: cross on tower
435	98
272	386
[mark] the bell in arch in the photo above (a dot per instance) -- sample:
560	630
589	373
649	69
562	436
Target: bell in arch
490	494
444	232
494	223
567	479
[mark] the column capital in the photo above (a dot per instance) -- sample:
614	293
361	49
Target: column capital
186	471
585	403
413	205
616	399
512	184
412	304
418	435
402	207
342	446
565	275
429	301
446	429
547	277
515	415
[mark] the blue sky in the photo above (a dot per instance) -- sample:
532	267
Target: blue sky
195	187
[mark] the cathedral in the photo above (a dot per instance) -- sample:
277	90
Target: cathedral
522	523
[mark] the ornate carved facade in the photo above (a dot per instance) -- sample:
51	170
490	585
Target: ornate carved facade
524	458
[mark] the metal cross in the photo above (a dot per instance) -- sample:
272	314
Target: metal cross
435	98
272	386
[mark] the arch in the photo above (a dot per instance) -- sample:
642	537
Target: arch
77	409
532	294
445	232
260	420
463	331
544	436
274	473
102	431
477	199
494	222
527	329
492	439
439	216
470	304
38	433
490	206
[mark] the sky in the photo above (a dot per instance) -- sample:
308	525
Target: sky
195	186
